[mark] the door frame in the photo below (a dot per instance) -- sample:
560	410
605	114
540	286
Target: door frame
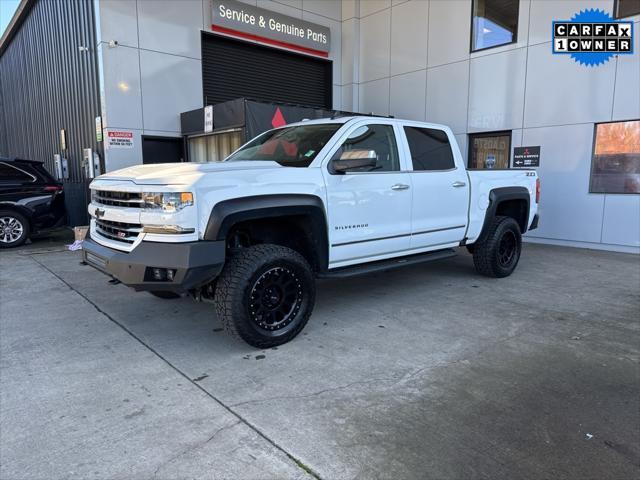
182	140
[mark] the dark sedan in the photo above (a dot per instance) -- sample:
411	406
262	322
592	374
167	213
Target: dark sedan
31	201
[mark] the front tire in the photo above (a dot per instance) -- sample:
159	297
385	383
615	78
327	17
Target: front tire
498	254
14	229
265	295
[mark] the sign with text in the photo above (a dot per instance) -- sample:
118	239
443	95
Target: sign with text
98	129
119	139
265	26
208	118
526	157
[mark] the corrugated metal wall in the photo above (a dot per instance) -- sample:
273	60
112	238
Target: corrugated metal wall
48	82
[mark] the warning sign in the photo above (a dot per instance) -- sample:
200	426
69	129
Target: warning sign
119	139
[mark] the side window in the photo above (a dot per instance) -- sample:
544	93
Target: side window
430	149
9	174
372	141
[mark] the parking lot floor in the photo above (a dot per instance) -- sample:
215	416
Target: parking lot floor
430	371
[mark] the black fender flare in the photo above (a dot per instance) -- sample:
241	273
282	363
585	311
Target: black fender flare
227	213
498	195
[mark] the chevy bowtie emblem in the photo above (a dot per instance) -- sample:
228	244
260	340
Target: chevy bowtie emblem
99	213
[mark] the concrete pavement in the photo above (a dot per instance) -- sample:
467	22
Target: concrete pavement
424	372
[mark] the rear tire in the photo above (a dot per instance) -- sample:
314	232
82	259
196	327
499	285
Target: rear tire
265	295
165	295
14	229
499	252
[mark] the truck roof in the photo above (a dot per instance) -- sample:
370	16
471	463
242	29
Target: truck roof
362	117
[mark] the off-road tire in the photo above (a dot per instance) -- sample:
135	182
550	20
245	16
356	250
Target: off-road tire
488	257
25	227
165	295
237	283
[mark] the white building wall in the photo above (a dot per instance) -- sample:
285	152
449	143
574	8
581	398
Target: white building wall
411	59
155	71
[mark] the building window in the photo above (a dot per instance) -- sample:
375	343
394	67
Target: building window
615	167
215	147
626	8
430	149
489	150
493	23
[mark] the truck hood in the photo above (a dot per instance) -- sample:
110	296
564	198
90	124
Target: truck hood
181	173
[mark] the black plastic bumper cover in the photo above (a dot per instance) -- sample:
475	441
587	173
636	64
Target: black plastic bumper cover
534	223
195	263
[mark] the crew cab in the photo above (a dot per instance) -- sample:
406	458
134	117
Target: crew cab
323	198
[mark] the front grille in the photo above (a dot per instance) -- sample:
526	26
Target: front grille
119	231
118	199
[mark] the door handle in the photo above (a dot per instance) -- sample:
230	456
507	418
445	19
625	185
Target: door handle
458	184
400	186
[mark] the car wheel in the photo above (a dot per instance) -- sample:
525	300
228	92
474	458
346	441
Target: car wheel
498	254
265	295
165	295
14	229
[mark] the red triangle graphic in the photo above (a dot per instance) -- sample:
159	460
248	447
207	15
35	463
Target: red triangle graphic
278	120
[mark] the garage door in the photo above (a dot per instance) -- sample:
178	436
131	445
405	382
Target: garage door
233	69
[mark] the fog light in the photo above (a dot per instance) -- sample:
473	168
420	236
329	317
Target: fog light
159	274
170	274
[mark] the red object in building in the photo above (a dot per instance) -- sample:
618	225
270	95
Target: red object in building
278	120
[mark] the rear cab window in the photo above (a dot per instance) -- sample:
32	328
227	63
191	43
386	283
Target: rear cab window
430	149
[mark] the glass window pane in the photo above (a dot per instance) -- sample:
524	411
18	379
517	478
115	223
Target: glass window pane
627	8
489	151
295	146
10	174
430	149
198	149
379	141
215	147
616	158
495	22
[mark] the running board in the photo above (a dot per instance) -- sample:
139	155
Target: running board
389	264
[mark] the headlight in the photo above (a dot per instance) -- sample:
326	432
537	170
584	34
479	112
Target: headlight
168	201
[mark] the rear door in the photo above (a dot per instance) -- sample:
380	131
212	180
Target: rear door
369	211
440	187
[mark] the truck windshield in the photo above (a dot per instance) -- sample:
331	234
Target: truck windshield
290	146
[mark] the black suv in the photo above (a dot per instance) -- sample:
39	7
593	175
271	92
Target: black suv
31	200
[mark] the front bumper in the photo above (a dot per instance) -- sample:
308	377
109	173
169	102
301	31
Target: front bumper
195	263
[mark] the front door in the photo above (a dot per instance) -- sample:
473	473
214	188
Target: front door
369	207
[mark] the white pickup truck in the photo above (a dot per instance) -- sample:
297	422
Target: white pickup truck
322	198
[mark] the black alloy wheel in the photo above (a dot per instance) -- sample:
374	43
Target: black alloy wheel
265	294
498	253
507	249
275	298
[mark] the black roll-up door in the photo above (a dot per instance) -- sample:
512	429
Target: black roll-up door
233	69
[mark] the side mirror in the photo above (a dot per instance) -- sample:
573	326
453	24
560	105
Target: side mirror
355	160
